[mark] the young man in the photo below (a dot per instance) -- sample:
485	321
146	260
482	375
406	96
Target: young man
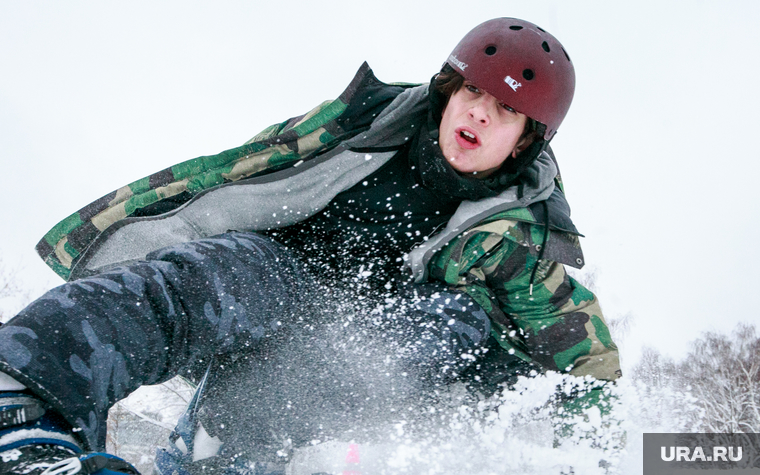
389	242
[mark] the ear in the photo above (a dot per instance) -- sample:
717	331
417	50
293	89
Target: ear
522	144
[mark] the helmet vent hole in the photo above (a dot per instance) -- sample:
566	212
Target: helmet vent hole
516	27
567	55
540	29
491	50
545	46
528	74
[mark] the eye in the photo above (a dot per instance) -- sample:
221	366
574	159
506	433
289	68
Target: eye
506	107
472	89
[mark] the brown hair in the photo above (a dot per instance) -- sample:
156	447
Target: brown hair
447	82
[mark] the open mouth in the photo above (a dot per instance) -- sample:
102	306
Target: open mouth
467	138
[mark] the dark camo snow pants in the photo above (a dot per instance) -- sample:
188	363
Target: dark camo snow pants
290	358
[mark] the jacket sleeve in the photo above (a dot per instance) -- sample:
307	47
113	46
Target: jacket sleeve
558	323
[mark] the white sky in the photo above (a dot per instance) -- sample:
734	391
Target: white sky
655	152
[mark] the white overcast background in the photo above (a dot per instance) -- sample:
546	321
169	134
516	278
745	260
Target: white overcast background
657	152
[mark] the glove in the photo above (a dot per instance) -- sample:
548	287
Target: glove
36	440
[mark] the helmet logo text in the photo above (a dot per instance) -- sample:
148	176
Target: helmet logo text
461	65
512	83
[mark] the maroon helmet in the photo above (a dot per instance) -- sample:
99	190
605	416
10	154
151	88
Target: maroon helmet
521	65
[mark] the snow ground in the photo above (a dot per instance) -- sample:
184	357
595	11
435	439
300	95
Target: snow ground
511	433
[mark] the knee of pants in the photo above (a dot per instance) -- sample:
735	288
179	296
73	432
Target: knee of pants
236	289
252	268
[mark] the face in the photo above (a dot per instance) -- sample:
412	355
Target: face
478	133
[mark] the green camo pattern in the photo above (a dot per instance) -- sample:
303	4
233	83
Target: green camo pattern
277	145
559	325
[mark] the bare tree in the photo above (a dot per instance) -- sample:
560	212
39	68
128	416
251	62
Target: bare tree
666	403
724	374
720	375
654	370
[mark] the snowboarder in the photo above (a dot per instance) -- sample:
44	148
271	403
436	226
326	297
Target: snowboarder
320	277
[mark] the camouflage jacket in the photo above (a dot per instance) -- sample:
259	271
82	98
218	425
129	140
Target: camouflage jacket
292	170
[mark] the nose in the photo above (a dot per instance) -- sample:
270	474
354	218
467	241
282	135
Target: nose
481	110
